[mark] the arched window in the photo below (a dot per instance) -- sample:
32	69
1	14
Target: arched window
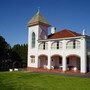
73	44
77	44
40	47
56	45
33	40
69	44
43	46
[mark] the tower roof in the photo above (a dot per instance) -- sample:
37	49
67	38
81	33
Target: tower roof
38	19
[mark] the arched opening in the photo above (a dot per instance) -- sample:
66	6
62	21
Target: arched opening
73	62
43	61
33	40
56	61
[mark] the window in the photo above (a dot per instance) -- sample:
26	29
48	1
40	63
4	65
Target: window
60	45
43	46
69	44
56	45
77	44
32	59
33	40
73	44
40	46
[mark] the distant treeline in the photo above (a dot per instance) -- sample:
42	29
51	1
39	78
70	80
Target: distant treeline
12	57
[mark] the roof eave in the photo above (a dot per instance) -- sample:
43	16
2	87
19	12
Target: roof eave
77	37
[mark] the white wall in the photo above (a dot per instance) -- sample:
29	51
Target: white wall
81	52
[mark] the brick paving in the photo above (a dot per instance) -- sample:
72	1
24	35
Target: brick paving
59	72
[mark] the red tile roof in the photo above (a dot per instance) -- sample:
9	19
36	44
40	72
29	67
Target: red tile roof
63	34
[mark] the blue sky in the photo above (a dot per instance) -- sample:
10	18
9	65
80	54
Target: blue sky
63	14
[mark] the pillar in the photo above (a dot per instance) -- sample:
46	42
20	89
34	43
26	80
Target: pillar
64	63
49	62
36	61
49	55
83	56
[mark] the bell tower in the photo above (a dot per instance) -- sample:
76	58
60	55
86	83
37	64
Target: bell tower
37	30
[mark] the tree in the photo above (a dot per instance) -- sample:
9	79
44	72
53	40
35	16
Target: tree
21	51
4	54
15	57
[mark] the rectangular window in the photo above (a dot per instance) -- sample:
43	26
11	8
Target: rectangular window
32	60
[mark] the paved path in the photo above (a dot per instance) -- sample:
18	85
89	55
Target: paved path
68	74
59	72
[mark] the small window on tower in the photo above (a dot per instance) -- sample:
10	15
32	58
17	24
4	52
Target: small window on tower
33	40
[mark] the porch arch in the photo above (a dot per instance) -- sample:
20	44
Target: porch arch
73	62
73	55
43	60
56	61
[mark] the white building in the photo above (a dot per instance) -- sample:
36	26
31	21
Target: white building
66	50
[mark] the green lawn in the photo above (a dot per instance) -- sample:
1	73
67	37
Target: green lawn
33	81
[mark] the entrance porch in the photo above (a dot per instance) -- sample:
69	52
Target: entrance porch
70	63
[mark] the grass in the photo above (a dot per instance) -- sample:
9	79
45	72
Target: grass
35	81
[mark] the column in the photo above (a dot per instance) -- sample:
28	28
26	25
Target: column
49	55
83	56
49	62
64	63
83	64
36	60
36	56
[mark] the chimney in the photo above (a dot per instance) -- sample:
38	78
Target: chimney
53	30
